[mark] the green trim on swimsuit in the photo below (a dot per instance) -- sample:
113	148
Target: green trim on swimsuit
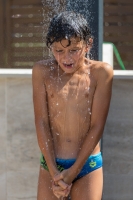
92	164
44	164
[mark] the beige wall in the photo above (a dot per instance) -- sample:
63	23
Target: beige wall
19	152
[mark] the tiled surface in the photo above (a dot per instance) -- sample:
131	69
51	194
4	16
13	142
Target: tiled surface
118	144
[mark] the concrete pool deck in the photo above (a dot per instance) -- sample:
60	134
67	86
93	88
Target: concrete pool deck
19	151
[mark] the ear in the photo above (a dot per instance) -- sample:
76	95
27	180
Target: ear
89	44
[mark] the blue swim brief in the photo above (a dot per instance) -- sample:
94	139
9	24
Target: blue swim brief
93	162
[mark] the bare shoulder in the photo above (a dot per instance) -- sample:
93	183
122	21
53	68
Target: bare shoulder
42	68
101	70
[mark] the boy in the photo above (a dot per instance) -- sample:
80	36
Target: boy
71	95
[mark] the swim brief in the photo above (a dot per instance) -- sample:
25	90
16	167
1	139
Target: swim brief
93	162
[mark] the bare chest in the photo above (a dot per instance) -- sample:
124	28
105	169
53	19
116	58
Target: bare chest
77	91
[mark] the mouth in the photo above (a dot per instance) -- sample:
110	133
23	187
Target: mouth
69	66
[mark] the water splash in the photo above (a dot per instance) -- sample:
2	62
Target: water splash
46	145
50	8
53	7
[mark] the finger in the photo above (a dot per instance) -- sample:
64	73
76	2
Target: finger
59	193
62	184
56	183
67	194
57	188
69	187
68	190
58	196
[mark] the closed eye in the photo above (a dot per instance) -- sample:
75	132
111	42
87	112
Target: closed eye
59	51
74	50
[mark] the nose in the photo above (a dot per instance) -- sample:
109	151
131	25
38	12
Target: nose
67	57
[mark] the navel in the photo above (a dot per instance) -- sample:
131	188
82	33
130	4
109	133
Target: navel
68	140
52	95
86	95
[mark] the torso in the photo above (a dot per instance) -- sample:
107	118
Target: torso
70	99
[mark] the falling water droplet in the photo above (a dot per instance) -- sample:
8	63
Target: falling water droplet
46	145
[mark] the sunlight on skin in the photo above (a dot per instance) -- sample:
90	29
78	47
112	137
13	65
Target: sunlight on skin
72	90
70	58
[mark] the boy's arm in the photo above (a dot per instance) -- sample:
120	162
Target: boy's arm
41	117
100	107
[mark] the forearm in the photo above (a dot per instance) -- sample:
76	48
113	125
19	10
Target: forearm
46	145
88	145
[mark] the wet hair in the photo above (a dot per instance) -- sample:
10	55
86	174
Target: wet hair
66	25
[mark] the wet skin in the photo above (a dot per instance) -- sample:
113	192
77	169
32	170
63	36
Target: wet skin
71	100
70	94
69	104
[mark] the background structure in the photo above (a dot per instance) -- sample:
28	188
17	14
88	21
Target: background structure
24	23
23	28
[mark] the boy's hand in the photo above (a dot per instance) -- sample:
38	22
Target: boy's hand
62	184
65	175
61	189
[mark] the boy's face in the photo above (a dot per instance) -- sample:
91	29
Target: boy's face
71	57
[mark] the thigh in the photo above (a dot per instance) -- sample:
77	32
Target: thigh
45	191
88	187
45	186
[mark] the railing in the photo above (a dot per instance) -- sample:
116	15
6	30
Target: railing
118	57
